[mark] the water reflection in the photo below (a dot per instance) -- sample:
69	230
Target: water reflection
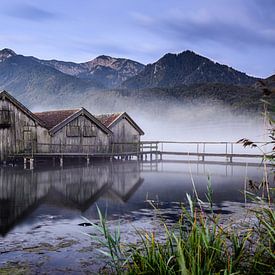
22	191
124	186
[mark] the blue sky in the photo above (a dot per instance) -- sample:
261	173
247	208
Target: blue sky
239	33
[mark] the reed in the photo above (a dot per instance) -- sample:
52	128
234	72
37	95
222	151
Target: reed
197	244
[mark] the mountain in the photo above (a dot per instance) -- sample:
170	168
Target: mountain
27	78
186	68
5	54
108	71
267	86
175	79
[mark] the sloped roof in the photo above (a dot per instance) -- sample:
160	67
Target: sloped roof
57	119
108	119
53	118
25	110
111	119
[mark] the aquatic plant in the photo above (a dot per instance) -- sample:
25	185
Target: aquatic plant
197	244
108	240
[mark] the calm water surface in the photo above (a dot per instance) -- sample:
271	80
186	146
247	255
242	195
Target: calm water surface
46	204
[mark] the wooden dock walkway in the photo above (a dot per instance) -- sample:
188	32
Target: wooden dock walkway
145	150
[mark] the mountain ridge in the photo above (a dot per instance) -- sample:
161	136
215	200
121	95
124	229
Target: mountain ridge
174	77
186	68
107	70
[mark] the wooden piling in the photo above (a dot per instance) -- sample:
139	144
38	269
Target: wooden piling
31	163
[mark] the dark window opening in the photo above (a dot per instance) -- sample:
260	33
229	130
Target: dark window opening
89	131
72	131
5	118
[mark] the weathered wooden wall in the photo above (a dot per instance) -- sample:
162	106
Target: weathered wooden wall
81	143
25	135
21	133
124	132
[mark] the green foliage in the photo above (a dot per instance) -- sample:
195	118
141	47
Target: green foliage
209	194
202	247
110	241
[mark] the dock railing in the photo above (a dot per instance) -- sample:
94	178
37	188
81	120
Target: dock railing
153	149
203	149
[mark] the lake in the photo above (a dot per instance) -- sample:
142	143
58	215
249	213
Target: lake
41	210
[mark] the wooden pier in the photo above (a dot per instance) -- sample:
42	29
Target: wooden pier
145	150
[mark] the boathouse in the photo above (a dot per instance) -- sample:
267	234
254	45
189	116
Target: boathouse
19	127
74	131
126	132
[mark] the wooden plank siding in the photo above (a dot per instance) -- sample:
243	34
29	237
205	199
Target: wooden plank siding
22	131
126	133
123	133
80	142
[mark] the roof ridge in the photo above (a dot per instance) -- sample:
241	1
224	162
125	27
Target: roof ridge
59	110
115	113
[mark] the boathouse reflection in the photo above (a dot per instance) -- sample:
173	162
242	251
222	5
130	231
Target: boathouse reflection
22	191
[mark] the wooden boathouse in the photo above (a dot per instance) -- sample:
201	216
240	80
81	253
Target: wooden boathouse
59	133
18	127
126	132
75	131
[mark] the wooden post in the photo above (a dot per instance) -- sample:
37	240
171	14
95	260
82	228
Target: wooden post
226	148
32	147
31	163
25	163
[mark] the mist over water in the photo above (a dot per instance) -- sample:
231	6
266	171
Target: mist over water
162	119
200	124
179	121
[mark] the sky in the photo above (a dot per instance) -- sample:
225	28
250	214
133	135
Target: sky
238	33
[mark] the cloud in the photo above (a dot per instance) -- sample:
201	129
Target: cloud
229	34
29	12
246	25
